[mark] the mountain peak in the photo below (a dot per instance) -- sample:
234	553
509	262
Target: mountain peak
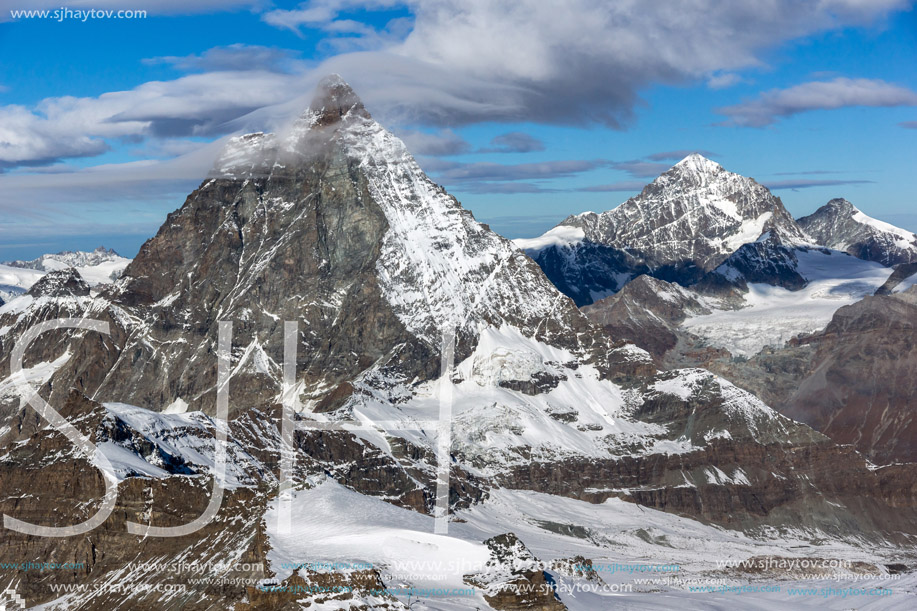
842	205
66	282
698	163
334	99
842	226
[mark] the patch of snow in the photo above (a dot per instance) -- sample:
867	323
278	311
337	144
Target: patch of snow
176	407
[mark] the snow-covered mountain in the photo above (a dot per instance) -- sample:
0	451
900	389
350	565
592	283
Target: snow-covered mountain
99	266
681	226
840	225
551	424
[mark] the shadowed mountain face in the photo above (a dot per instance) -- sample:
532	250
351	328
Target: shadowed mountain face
840	225
334	226
683	225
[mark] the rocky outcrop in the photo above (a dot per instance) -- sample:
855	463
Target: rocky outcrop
902	272
647	312
853	381
513	579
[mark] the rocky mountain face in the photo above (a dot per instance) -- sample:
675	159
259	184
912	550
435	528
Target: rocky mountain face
840	225
681	226
854	381
647	312
335	227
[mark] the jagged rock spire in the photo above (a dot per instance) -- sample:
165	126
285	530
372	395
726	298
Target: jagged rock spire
333	100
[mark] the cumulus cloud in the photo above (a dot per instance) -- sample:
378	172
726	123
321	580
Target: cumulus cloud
476	60
817	95
589	61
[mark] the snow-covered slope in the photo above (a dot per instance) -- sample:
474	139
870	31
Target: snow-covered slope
683	224
770	315
840	225
15	281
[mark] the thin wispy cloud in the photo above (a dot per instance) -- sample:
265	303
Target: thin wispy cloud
809	183
625	185
817	95
724	80
441	143
679	154
504	172
236	57
641	169
514	142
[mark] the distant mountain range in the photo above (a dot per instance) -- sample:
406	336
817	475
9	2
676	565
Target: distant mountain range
702	291
698	224
96	267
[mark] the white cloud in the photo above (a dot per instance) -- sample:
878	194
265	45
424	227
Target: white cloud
464	61
808	183
723	80
817	95
588	60
441	143
197	104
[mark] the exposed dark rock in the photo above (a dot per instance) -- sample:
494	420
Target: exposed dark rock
902	272
513	579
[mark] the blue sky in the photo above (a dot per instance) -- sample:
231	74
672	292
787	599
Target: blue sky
526	111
